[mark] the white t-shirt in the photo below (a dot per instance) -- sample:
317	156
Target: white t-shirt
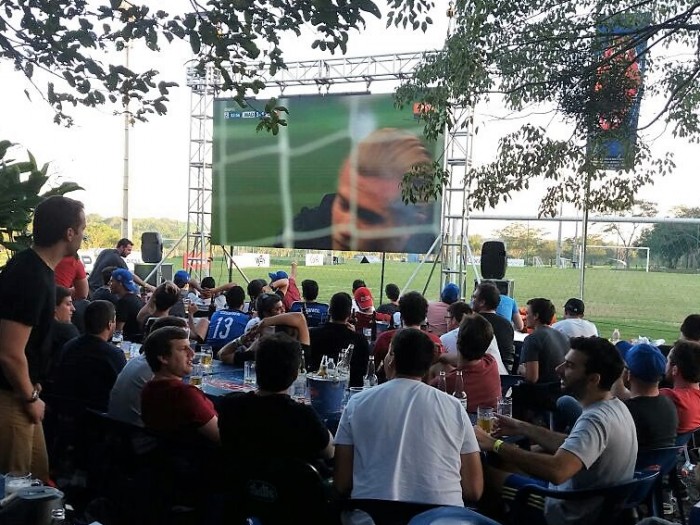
449	341
407	438
576	327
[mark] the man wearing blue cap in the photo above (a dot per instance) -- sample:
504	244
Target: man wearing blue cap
286	285
129	304
654	415
437	310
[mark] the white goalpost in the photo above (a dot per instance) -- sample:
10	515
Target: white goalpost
625	248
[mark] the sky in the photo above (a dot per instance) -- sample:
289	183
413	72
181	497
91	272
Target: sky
91	152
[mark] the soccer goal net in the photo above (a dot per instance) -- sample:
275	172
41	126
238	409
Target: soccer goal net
618	257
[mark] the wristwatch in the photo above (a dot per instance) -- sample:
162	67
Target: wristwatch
34	397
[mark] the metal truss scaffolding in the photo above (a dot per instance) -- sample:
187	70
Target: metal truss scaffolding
324	74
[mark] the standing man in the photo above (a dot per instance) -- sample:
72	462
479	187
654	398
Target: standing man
544	349
27	305
113	257
573	324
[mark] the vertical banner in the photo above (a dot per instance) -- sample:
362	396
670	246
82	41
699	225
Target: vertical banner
620	52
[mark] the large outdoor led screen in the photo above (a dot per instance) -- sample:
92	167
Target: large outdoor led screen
329	180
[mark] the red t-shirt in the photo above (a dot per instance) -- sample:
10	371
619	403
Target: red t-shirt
172	407
291	296
687	401
482	383
68	271
381	347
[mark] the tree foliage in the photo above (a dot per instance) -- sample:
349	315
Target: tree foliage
560	55
626	233
674	245
69	39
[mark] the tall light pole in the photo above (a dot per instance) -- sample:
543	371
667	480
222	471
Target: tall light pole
127	230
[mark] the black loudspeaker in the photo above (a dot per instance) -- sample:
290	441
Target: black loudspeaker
493	260
151	247
504	287
142	270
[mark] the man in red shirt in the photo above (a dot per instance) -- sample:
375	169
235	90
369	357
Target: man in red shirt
287	285
70	273
683	370
413	308
169	406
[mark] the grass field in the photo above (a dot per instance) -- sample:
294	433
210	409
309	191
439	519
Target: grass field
650	304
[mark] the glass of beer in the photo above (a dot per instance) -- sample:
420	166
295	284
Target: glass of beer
484	419
207	356
196	376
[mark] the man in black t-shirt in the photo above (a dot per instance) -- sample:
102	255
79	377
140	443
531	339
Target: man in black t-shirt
27	305
544	349
335	335
485	301
392	293
128	306
268	423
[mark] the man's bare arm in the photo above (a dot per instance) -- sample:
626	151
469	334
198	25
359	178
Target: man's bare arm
342	469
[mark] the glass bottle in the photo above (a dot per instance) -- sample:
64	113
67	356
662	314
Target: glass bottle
331	368
300	381
370	378
615	336
459	392
343	368
442	381
323	369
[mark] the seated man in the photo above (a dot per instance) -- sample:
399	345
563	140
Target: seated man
129	304
544	349
168	405
392	293
365	315
89	364
125	397
683	370
655	416
158	305
104	292
573	324
268	423
601	448
482	382
286	285
316	313
690	329
229	323
381	447
485	301
508	309
335	335
437	310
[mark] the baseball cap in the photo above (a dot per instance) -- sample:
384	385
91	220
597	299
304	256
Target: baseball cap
575	306
276	276
644	361
125	277
363	297
181	278
450	293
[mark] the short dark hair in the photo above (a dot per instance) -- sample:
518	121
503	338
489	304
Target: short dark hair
474	336
309	289
543	309
124	242
392	292
165	297
413	352
277	361
686	356
489	293
98	315
169	320
265	303
691	327
413	307
235	297
208	282
255	287
357	283
52	217
458	310
107	273
340	306
158	343
601	358
61	293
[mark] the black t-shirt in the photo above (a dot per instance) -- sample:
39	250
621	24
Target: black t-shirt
269	426
127	309
548	347
329	340
656	420
109	257
104	294
388	308
28	296
503	331
87	370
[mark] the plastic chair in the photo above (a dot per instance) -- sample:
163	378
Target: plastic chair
615	498
662	460
281	491
451	516
386	512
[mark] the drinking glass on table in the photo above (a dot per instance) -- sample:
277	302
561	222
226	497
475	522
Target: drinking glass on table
197	376
249	376
207	356
484	419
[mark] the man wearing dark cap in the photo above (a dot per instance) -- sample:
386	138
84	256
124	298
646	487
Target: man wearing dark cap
437	310
654	416
573	324
129	304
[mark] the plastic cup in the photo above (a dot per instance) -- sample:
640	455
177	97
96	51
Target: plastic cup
249	376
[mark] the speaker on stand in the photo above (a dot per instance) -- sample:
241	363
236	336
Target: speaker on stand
152	252
493	260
